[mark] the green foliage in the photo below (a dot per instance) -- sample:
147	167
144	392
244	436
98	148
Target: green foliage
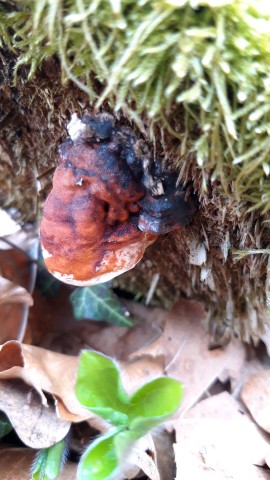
98	302
99	461
49	461
155	400
100	389
5	425
210	56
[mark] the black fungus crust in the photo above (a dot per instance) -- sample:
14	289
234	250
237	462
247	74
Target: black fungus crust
120	153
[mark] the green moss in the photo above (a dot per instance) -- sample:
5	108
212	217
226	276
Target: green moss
211	57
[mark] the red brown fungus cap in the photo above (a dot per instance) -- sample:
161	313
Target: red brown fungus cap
99	217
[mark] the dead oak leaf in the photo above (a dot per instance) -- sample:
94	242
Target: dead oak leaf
36	425
56	373
216	440
142	458
256	396
183	346
44	370
7	225
140	371
12	234
164	441
16	284
179	323
12	293
120	342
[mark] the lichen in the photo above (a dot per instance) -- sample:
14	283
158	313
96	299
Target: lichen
208	58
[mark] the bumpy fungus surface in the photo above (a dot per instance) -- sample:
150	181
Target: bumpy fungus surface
107	204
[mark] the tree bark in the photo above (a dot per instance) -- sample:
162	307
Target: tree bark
195	262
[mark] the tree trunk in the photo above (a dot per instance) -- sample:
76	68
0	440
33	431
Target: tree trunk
197	261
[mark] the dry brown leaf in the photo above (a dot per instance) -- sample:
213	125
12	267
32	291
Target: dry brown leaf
256	396
60	332
184	349
95	422
56	373
142	457
65	414
11	293
16	464
184	315
36	425
164	441
17	282
221	407
196	467
120	342
7	225
216	440
249	367
12	234
45	371
140	371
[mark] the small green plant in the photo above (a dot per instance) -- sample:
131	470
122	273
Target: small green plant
99	302
49	461
5	425
99	388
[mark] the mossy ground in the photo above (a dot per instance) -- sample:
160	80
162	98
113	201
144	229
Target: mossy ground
193	76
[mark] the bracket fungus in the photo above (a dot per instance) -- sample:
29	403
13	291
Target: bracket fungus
108	203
